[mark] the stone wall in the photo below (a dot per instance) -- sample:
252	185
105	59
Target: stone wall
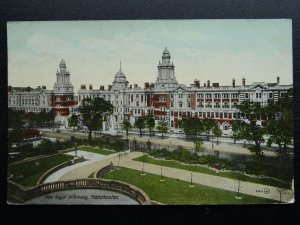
56	168
20	194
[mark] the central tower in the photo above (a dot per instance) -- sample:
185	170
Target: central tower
63	84
166	76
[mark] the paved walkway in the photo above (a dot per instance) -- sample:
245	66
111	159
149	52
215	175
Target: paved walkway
90	158
259	190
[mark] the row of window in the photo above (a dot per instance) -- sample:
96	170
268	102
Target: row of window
224	95
210	105
220	115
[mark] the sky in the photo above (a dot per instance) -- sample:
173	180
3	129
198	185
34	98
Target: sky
215	50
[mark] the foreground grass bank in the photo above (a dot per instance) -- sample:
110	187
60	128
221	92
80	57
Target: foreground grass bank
201	169
96	150
28	173
177	192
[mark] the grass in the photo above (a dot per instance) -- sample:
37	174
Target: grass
96	150
33	170
177	192
200	169
91	175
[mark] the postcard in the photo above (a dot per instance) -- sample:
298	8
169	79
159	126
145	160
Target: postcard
150	112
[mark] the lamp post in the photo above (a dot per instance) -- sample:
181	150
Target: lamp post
161	175
75	150
119	159
191	183
116	116
212	142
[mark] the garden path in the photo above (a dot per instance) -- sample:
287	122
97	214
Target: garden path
253	189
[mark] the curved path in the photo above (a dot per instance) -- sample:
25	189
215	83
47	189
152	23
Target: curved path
254	189
90	158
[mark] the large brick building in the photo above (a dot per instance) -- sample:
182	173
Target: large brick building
168	100
61	99
165	98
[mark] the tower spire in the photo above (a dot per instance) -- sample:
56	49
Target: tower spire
120	66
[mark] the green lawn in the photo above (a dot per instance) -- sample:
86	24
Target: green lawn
91	175
96	150
200	169
33	170
177	192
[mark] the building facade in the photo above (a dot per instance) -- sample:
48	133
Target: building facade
165	99
60	100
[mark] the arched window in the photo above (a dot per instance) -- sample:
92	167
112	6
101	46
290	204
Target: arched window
225	105
217	105
234	105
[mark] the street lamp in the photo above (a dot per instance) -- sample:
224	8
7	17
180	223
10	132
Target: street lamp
161	175
116	116
119	158
212	142
75	150
191	185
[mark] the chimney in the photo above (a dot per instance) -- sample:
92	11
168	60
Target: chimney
233	82
244	81
101	88
208	83
91	87
146	85
197	83
215	85
44	87
130	86
204	84
135	85
83	86
152	85
109	87
278	80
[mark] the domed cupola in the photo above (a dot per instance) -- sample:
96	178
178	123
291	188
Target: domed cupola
120	80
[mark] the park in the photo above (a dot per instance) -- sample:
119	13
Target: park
144	164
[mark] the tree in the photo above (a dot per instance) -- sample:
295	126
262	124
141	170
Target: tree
92	111
15	119
192	127
73	121
45	118
280	125
217	132
126	125
247	127
140	124
198	145
150	123
162	127
209	125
